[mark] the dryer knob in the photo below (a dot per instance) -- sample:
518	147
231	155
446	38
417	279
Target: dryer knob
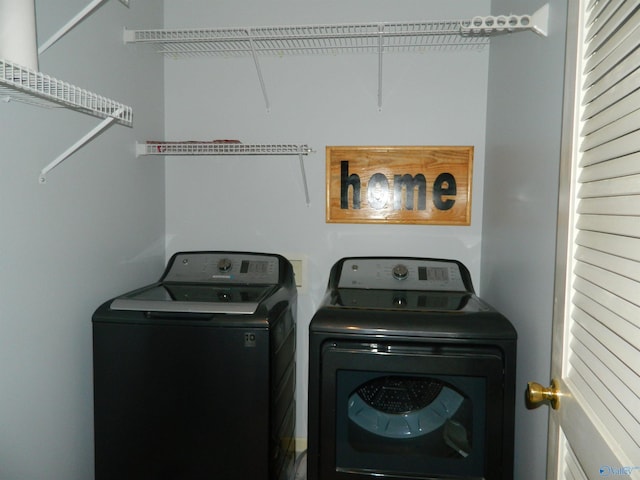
400	272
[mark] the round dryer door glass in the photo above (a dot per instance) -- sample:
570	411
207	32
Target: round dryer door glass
405	407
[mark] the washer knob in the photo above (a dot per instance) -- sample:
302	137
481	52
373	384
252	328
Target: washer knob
400	272
224	265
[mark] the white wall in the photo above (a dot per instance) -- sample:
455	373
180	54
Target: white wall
95	229
520	209
257	203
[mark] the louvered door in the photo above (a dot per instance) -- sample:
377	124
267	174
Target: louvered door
595	432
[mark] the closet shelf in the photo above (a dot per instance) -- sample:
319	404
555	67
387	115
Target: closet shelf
306	40
376	38
28	86
228	148
212	148
337	38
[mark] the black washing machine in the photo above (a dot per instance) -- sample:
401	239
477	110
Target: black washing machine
411	375
194	376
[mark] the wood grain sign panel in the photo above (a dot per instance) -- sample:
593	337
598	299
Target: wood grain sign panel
407	184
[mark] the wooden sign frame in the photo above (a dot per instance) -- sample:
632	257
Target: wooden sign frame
427	185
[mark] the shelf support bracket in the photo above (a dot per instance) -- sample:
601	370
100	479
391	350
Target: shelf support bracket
540	21
380	51
304	178
259	71
79	144
73	22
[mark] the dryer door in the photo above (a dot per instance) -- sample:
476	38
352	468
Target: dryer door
401	410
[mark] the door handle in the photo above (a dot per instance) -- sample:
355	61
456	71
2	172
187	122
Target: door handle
537	395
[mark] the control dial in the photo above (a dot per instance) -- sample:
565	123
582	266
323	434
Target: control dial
400	272
224	265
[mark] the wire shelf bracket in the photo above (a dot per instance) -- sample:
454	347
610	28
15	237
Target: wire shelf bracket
538	23
214	148
29	86
79	144
73	22
376	38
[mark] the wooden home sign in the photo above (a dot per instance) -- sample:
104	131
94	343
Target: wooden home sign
412	185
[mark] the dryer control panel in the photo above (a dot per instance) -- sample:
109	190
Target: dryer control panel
394	273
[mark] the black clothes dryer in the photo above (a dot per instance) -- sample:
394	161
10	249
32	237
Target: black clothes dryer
194	376
411	375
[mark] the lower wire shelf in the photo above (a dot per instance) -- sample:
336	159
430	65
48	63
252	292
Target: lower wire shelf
224	147
227	147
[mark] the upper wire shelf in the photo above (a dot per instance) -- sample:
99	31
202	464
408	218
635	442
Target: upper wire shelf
376	38
337	38
305	40
29	86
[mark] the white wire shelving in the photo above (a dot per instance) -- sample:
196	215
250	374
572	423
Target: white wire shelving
373	38
36	88
215	148
228	148
22	84
86	11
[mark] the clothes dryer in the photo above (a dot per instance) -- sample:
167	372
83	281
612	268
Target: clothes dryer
411	375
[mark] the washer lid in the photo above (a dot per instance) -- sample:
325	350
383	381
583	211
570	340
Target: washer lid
194	298
210	282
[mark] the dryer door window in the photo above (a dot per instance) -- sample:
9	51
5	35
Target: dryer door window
417	411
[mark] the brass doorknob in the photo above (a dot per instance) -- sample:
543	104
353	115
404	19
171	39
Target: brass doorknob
537	394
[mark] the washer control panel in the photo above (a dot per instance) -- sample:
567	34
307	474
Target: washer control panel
401	273
223	267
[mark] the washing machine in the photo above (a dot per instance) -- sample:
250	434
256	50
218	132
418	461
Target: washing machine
194	375
411	375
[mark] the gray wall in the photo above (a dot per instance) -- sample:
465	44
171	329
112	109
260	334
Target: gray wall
93	230
521	187
257	203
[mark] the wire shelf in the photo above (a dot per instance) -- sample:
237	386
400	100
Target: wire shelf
228	147
339	38
309	39
374	38
29	86
214	148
